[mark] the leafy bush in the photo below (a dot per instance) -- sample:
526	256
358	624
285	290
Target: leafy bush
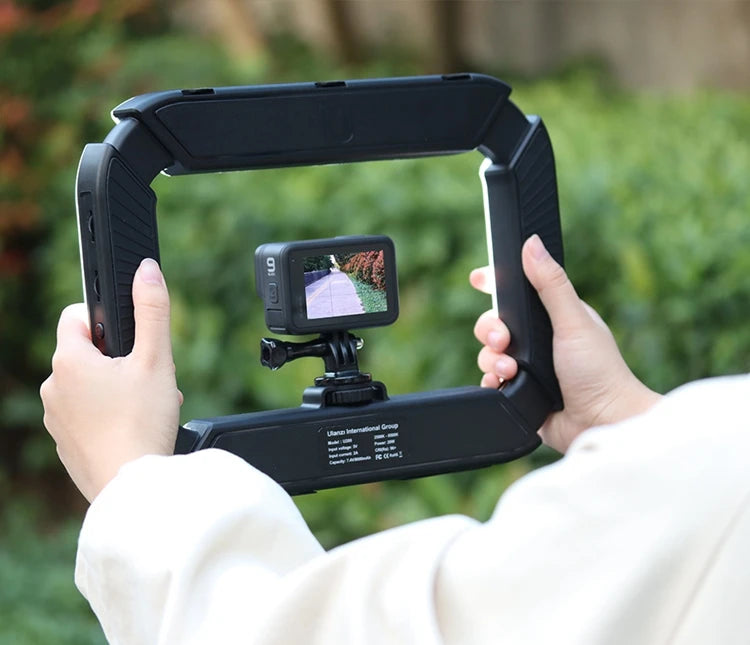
655	203
317	263
38	600
368	267
372	299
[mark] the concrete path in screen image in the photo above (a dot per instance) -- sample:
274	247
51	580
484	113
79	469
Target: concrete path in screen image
332	295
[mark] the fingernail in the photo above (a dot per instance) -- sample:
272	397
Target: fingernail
503	366
150	272
537	248
494	338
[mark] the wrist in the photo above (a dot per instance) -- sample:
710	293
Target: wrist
634	400
641	400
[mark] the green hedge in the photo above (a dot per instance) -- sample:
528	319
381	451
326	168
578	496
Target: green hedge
38	601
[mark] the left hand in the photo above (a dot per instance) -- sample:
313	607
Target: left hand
104	412
597	386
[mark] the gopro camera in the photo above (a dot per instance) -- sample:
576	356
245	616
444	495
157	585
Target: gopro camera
327	285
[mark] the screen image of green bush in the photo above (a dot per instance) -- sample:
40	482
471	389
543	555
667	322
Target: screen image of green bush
366	270
317	263
654	200
373	299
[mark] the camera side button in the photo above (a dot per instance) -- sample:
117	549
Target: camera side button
96	287
273	293
90	226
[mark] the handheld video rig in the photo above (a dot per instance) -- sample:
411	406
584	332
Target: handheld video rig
337	437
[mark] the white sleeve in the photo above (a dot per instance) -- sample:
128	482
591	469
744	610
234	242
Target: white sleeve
640	535
631	538
203	548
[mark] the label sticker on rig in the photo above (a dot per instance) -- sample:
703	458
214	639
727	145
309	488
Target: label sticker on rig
353	445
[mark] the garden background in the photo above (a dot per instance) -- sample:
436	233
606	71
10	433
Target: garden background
655	199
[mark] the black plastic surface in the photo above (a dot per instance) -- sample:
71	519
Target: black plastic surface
407	436
305	123
117	229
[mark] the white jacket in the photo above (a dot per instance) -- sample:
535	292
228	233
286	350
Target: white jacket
639	535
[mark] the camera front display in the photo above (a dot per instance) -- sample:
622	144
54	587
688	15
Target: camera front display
328	285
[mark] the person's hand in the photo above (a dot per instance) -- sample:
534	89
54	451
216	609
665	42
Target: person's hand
597	386
104	412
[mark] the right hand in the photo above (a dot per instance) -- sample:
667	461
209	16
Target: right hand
598	387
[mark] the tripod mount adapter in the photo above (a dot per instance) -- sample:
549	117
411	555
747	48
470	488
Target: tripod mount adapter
336	439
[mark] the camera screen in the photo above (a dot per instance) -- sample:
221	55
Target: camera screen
345	284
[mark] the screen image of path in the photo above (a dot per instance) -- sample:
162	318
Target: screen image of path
345	284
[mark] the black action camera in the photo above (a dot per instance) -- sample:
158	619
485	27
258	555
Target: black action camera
215	129
327	285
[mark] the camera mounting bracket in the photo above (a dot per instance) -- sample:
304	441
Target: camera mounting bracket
342	384
242	128
338	350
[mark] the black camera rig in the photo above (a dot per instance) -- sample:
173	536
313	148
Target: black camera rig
347	429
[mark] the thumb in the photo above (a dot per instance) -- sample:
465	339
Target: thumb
565	308
151	302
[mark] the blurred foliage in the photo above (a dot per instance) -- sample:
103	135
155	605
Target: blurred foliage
38	602
655	203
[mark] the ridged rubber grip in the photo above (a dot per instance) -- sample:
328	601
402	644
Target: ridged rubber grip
525	191
117	228
133	235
